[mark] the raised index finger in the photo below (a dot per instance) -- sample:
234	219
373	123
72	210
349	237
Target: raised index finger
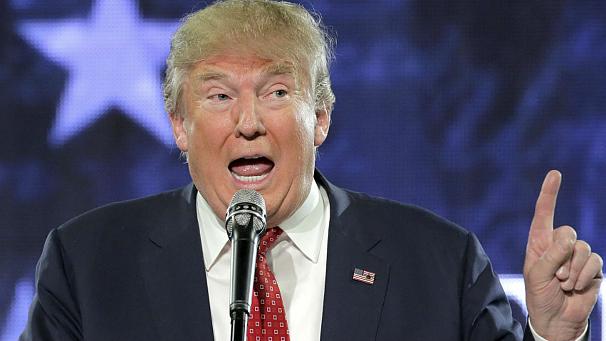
542	221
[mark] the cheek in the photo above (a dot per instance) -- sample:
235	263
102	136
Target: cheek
305	121
208	134
301	144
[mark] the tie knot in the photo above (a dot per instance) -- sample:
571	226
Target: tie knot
269	239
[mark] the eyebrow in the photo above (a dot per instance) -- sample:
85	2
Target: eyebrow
280	69
211	75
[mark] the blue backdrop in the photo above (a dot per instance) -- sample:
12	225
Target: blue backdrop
457	106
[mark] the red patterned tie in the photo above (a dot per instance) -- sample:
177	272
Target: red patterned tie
268	320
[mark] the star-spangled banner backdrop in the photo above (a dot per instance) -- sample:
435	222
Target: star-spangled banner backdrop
457	106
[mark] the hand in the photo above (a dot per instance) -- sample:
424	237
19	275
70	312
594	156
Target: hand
561	274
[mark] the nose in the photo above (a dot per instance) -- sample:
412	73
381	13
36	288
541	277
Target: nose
249	124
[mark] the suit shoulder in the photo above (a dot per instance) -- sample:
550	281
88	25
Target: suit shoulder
132	214
402	220
412	239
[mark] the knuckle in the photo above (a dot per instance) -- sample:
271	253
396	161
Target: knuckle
566	231
582	247
598	259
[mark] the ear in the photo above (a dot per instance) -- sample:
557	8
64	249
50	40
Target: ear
179	132
322	125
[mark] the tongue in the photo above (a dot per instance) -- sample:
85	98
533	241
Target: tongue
251	167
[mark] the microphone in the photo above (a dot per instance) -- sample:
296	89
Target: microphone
245	222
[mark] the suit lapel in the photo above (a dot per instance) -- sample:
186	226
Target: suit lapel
352	309
173	272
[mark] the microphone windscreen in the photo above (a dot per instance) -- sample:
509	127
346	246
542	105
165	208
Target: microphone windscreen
248	196
246	204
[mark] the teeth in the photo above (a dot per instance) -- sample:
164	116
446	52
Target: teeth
254	178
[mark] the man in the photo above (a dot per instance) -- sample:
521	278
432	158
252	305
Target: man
249	97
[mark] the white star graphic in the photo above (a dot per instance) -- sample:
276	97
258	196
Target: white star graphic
114	58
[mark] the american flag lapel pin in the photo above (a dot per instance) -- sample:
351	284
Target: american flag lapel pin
364	276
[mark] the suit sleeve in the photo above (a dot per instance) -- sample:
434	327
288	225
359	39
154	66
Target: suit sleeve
485	310
54	313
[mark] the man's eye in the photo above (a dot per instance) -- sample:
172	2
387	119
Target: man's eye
280	93
220	97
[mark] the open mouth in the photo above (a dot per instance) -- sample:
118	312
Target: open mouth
251	169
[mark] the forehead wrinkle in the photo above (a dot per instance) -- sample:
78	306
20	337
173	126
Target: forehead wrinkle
261	73
273	69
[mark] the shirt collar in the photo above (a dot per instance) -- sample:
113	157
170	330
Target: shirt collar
212	232
304	228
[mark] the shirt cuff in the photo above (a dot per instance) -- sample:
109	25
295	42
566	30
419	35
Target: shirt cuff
538	337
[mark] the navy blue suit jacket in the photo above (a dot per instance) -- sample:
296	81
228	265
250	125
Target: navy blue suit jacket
135	271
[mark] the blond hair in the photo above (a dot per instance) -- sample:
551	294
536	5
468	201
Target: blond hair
277	30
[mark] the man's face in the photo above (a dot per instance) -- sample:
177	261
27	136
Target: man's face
248	123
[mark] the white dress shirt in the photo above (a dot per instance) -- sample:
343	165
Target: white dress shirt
538	337
298	260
